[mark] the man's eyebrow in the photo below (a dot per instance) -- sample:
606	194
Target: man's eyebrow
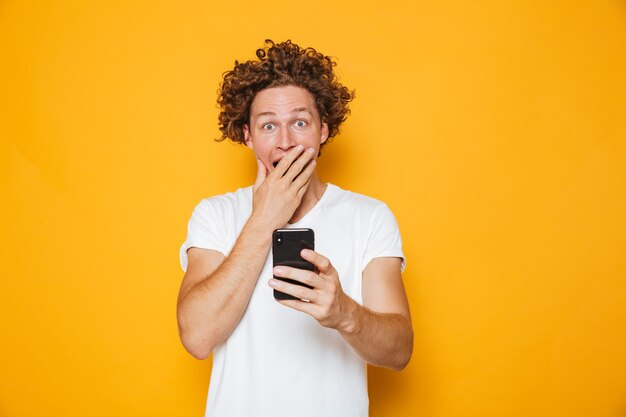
296	110
301	109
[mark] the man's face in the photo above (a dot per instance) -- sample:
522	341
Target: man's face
280	119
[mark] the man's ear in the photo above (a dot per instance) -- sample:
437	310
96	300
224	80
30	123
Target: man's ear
324	132
246	136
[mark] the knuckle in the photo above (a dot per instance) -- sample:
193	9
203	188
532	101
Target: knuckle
300	294
332	290
309	278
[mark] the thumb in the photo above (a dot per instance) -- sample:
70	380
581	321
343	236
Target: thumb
260	174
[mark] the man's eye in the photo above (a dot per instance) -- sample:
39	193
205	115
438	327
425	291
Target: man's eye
267	126
300	123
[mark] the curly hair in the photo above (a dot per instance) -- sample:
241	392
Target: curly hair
281	64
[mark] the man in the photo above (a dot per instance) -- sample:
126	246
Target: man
291	357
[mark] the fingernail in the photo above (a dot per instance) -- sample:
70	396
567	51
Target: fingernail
300	147
278	270
310	150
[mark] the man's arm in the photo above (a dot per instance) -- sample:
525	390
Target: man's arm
380	331
216	290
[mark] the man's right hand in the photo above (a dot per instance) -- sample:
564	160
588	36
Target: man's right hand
277	195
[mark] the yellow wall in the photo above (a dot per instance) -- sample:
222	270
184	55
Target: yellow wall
495	130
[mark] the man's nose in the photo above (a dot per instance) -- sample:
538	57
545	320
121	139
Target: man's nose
286	140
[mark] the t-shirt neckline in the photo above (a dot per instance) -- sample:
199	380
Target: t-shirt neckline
330	188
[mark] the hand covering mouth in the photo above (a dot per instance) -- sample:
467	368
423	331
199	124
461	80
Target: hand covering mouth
276	162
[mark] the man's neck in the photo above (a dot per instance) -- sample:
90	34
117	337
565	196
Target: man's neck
312	195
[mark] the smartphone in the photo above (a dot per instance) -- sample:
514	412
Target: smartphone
286	247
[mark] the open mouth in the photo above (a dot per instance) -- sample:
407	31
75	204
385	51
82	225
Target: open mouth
275	163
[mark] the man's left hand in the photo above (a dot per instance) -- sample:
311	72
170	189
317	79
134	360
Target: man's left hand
326	301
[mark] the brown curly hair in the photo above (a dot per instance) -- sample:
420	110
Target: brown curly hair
281	64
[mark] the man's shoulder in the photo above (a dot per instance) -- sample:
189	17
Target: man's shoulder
354	200
237	201
239	196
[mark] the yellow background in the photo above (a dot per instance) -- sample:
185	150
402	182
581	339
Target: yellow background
495	131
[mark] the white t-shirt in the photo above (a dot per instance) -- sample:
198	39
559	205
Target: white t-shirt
279	362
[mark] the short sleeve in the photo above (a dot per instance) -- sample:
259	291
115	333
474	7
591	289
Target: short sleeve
384	238
204	231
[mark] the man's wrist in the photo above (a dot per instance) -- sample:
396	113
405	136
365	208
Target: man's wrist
259	229
352	323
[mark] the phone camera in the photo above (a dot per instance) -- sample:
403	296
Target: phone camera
279	238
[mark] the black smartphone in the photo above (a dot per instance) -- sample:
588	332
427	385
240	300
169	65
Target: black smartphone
286	247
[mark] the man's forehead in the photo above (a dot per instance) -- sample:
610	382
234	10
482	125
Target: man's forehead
282	101
295	110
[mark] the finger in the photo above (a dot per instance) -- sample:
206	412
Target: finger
303	306
304	187
302	190
260	174
286	162
301	275
321	262
298	291
305	175
298	165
